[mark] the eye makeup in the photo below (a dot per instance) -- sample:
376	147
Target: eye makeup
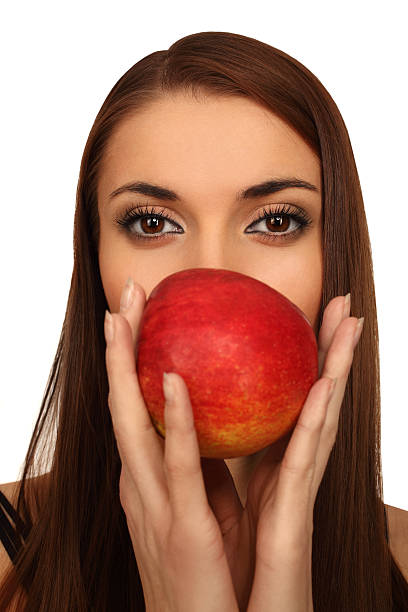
149	219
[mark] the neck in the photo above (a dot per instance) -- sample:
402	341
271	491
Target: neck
241	469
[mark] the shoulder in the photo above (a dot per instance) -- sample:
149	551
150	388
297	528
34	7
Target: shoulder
398	536
12	489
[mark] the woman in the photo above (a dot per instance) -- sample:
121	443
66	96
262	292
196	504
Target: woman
195	149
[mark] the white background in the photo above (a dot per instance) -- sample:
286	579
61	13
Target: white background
59	61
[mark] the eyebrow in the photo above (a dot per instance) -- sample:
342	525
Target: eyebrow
254	191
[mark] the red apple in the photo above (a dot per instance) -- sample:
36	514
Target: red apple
247	354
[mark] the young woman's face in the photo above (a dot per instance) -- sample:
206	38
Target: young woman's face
207	153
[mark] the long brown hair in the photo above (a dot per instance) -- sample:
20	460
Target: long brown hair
77	554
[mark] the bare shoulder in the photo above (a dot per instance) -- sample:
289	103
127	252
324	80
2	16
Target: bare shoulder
11	491
398	536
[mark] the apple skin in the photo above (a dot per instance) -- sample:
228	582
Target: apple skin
247	354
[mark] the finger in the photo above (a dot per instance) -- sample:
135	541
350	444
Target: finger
138	442
309	443
299	461
338	364
182	463
333	315
132	304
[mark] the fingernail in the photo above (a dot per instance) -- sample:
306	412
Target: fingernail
167	388
358	331
346	309
128	295
109	327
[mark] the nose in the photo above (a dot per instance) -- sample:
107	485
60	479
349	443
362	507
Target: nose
214	250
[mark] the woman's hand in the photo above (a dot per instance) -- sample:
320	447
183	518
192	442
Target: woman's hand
282	491
176	538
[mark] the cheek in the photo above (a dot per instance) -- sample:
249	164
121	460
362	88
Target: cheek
299	278
114	270
307	290
118	261
308	285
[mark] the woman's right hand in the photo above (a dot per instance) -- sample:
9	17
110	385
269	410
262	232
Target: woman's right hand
176	538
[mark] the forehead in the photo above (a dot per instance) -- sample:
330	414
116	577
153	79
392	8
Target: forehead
216	143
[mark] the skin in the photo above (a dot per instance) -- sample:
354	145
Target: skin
207	151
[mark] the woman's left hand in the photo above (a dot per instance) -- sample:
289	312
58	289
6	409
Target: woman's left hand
269	542
282	492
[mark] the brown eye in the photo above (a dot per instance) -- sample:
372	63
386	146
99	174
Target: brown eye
278	226
147	224
150	225
278	222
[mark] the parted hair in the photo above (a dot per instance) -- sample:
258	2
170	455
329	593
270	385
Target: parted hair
76	552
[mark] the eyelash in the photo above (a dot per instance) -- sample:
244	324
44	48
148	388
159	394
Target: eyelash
132	214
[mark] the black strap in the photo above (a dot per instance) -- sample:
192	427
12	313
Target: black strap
9	535
386	524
